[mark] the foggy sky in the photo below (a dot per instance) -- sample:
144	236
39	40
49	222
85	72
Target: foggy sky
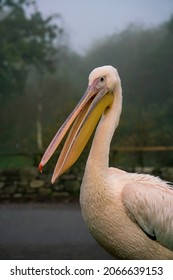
87	21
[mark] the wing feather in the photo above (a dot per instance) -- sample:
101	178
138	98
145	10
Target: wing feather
150	204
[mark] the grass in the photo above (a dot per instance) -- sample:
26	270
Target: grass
8	162
120	159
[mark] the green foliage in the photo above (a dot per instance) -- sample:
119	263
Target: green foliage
25	41
28	50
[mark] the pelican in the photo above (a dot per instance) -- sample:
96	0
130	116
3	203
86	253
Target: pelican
129	214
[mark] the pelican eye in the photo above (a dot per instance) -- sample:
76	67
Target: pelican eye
102	79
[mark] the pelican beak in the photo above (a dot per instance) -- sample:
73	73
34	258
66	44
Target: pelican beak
82	121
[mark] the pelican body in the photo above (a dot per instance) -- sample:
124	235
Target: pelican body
129	214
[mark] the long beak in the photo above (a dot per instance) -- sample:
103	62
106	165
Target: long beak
82	121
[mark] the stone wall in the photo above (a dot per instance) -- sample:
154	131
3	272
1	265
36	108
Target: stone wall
23	185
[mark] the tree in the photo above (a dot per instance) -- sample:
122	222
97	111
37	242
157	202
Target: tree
28	43
25	41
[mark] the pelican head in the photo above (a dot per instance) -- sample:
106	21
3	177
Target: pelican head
107	74
96	101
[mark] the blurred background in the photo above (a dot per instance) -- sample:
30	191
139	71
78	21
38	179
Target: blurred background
47	50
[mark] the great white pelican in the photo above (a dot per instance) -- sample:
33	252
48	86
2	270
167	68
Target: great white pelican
129	214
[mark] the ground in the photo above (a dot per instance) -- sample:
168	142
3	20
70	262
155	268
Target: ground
46	231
